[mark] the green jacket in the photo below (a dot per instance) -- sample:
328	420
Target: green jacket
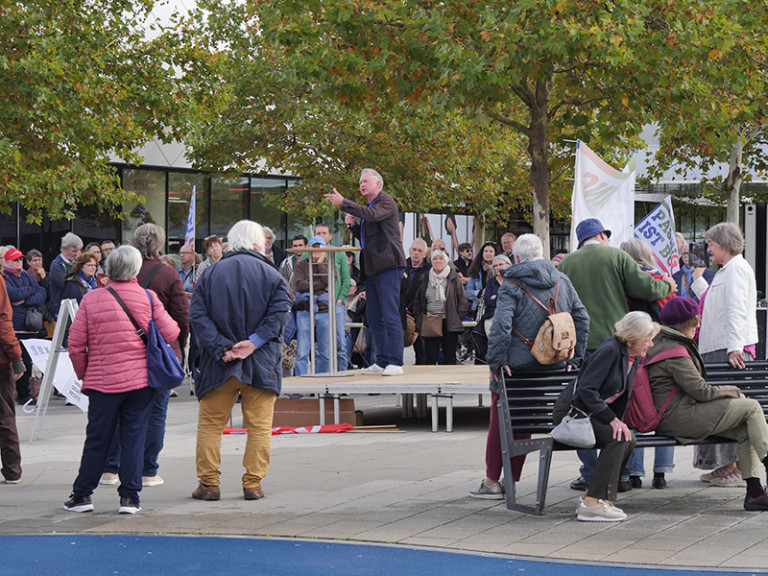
603	277
697	407
343	281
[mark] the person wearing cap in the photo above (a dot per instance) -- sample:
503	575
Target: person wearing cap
698	409
604	276
23	292
383	262
319	302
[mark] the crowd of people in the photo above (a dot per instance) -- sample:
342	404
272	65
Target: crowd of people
235	341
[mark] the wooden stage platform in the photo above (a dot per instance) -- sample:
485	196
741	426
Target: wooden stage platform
423	382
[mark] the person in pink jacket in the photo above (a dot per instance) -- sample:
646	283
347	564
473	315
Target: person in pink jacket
111	360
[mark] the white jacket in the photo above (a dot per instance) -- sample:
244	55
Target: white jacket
729	319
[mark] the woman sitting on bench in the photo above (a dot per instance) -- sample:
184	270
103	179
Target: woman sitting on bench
602	390
697	409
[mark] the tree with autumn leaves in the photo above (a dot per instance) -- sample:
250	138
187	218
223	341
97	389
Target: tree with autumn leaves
79	80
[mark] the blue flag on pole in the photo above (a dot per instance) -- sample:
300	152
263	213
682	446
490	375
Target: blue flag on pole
189	237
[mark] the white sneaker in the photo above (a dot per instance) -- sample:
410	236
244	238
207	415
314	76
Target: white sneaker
601	512
373	369
732	480
109	479
151	481
393	370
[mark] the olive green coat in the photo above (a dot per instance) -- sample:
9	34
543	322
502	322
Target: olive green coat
697	407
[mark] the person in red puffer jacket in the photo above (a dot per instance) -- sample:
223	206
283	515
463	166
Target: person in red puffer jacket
111	359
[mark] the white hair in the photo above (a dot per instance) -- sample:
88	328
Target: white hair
420	241
439	254
70	240
246	234
528	247
373	173
124	263
635	326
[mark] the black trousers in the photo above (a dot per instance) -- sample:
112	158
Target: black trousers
612	459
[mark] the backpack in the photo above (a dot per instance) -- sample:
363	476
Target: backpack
641	414
556	340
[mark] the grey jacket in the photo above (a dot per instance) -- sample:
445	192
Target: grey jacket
514	308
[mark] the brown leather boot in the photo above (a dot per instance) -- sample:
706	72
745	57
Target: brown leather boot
203	492
253	492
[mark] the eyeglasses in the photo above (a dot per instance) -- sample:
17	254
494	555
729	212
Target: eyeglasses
91	265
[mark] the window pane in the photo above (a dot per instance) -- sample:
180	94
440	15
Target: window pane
230	202
265	197
180	186
151	185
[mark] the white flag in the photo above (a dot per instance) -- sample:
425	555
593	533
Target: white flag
600	191
657	230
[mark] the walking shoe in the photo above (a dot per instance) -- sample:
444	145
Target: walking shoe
373	369
16	481
601	512
624	486
393	370
717	473
128	505
580	484
109	479
151	481
659	482
79	504
253	492
635	481
758	503
732	480
203	492
495	492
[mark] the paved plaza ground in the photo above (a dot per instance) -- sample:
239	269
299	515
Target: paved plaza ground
406	488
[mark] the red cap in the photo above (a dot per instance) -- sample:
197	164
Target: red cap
13	254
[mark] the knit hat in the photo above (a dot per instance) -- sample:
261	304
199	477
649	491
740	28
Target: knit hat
678	310
588	228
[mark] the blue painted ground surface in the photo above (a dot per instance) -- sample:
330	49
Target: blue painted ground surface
132	555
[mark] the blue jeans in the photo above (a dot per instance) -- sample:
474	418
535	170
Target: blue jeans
663	462
383	313
132	410
342	357
154	440
322	345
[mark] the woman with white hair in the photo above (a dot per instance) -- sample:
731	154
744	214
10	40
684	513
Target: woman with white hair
441	301
728	333
602	391
111	360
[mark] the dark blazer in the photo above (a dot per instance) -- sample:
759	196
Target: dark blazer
456	303
604	374
379	232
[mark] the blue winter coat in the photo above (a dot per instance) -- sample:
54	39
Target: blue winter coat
23	287
241	296
515	309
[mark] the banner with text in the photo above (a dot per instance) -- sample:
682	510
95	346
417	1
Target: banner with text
657	230
64	379
601	191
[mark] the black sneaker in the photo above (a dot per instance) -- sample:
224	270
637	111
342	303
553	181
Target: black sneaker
128	505
79	504
580	484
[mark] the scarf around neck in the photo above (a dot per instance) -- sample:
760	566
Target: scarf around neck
438	282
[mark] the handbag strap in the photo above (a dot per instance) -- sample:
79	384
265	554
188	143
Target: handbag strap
151	274
139	330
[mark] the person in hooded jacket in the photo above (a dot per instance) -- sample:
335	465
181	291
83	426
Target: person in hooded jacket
516	310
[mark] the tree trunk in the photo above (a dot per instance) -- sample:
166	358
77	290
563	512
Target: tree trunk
732	184
538	150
